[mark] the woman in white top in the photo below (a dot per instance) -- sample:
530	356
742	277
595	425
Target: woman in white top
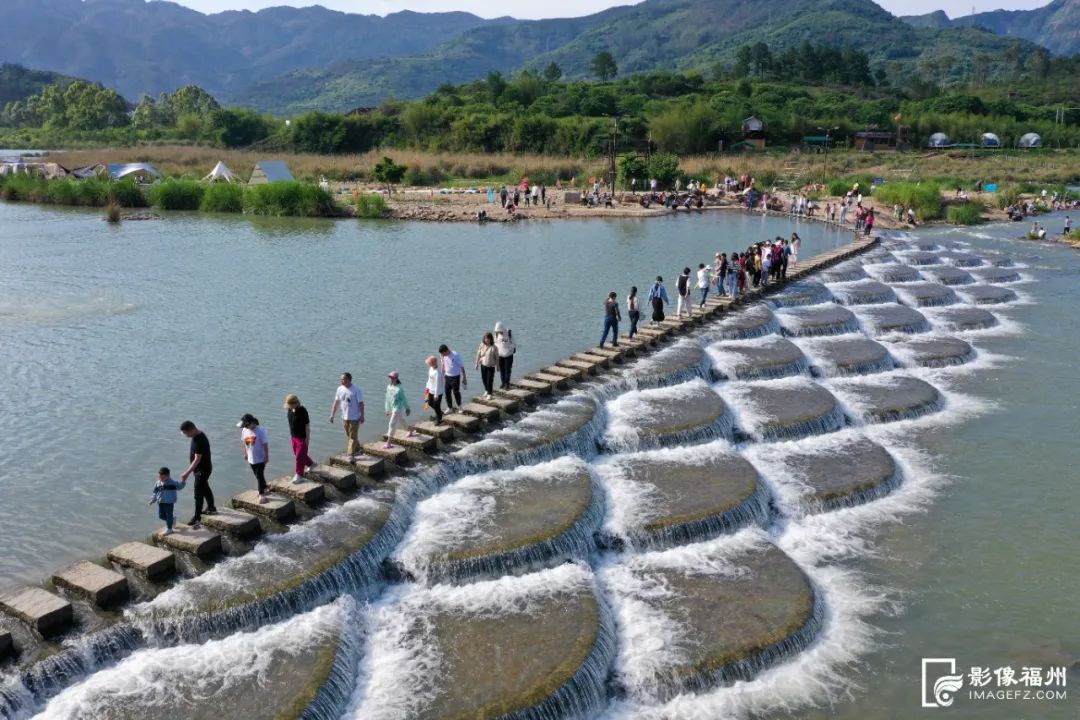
487	358
793	257
436	387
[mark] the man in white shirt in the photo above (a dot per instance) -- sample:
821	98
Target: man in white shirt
454	371
350	399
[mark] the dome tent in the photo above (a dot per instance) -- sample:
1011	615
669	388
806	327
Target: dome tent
1030	140
990	140
939	140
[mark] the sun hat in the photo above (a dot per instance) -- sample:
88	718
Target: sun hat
393	375
291	401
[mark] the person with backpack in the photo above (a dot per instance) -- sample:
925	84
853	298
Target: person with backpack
683	288
658	297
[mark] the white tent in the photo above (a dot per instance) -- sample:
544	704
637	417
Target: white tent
990	140
1030	140
939	140
221	173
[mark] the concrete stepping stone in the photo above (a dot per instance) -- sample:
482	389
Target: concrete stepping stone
368	465
948	275
342	478
895	273
644	341
925	245
154	563
419	441
557	381
539	388
567	372
769	613
785	409
889	399
962	259
522	396
926	294
233	522
590	357
615	354
844	272
1001	262
465	423
865	292
101	586
443	432
692	496
752	322
7	646
483	412
45	613
396	455
201	542
769	357
988	294
817	320
553	429
523	519
837	473
885	319
308	492
936	352
965	318
681	413
996	275
507	405
832	357
585	367
276	507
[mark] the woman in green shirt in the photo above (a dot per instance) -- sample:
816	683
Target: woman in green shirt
397	408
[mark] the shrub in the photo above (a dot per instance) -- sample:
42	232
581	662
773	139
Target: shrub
126	193
223	197
1006	196
371	206
112	213
969	213
177	195
839	186
924	198
295	199
423	177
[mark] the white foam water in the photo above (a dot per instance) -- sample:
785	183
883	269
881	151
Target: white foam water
629	412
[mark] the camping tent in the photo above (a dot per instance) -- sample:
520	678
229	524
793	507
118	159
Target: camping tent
990	140
221	173
270	171
89	171
139	172
1030	140
48	170
939	140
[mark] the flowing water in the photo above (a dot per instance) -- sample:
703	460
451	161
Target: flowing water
880	500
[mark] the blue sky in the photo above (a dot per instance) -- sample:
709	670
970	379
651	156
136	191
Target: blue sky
568	8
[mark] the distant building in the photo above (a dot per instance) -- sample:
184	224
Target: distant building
270	171
871	140
990	140
754	131
1030	140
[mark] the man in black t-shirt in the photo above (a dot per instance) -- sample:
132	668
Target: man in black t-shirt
201	466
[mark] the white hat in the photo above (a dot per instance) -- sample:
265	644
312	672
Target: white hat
499	327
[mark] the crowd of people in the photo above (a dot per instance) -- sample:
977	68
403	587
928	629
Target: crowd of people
446	377
729	276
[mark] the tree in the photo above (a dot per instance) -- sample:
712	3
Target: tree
632	167
664	168
389	173
552	73
1040	64
496	85
603	66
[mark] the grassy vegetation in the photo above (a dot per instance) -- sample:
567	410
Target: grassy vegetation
177	194
223	197
371	206
924	197
92	192
292	199
969	213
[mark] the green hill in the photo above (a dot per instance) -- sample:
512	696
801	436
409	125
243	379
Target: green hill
1055	26
19	83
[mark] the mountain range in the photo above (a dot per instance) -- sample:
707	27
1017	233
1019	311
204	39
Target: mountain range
289	60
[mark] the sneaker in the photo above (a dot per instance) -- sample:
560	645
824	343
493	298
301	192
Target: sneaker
388	446
210	511
297	479
195	524
263	499
614	344
168	532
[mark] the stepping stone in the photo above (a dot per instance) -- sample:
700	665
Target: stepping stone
895	273
767	604
522	396
681	361
681	413
153	562
844	272
925	245
767	358
865	292
1002	262
276	507
962	259
482	411
340	477
419	441
7	647
584	367
950	275
566	372
613	354
101	586
652	331
362	464
965	318
996	275
524	519
554	380
46	613
885	319
926	294
988	294
552	430
234	522
752	322
920	257
647	339
533	386
200	542
464	423
818	320
308	492
848	356
439	432
890	399
941	351
786	409
396	455
507	405
589	357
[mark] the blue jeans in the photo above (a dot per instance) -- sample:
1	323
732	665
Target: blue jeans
704	294
610	325
733	284
165	512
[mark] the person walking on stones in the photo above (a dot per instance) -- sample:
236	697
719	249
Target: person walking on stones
796	243
165	497
703	282
349	398
397	408
487	359
504	343
868	223
256	445
436	386
683	291
632	311
454	372
658	297
612	316
300	433
200	465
